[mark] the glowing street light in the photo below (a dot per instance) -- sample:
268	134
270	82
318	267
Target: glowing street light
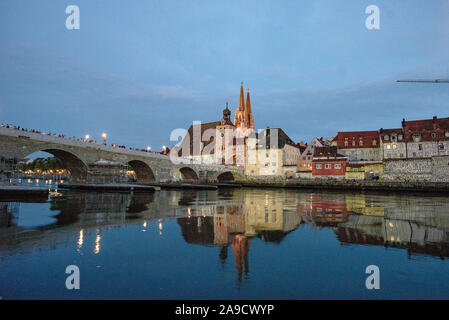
86	138
104	138
148	149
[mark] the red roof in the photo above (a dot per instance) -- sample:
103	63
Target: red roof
426	130
358	139
327	153
388	132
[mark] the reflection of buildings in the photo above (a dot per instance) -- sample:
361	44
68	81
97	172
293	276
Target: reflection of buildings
259	213
230	219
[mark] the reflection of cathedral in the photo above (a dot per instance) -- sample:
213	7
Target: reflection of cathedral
235	219
259	215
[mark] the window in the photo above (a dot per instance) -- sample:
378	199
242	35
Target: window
388	147
400	137
374	142
386	137
361	143
319	166
433	135
328	166
346	143
441	146
395	146
353	143
337	166
273	164
420	147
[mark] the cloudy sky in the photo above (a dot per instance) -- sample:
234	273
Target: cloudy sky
139	69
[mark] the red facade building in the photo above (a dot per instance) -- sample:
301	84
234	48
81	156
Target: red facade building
328	163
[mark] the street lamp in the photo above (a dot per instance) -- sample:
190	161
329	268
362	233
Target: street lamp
86	138
148	149
104	138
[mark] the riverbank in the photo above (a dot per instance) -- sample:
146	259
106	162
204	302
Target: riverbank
375	185
110	187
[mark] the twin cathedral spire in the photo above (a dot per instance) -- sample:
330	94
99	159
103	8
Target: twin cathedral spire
243	117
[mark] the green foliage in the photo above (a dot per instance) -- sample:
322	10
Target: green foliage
41	165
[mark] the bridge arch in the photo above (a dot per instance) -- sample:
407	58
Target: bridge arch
77	167
144	173
189	175
225	177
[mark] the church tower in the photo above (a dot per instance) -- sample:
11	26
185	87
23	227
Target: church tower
249	113
243	118
239	116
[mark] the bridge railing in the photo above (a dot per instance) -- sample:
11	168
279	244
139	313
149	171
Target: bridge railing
43	137
67	141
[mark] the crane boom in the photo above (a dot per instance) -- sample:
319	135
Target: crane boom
426	81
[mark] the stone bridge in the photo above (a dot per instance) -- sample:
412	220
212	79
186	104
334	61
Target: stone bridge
98	163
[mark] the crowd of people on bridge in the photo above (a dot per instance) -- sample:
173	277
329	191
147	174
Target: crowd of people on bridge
9	126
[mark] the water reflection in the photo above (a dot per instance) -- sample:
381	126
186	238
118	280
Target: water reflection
230	219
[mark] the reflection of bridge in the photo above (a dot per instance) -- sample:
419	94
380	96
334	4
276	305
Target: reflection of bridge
99	163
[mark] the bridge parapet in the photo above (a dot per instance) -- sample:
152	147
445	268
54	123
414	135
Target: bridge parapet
98	163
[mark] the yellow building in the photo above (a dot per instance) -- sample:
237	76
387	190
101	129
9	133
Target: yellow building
364	171
271	153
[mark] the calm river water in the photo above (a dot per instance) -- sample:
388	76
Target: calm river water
225	244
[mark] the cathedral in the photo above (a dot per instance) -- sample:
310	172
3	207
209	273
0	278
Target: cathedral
220	141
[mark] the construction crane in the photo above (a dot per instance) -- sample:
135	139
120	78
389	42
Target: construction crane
426	81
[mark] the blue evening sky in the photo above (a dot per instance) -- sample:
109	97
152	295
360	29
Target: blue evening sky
139	69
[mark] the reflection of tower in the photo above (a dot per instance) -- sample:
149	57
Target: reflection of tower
240	247
223	253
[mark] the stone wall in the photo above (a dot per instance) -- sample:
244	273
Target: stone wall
440	168
435	169
408	169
